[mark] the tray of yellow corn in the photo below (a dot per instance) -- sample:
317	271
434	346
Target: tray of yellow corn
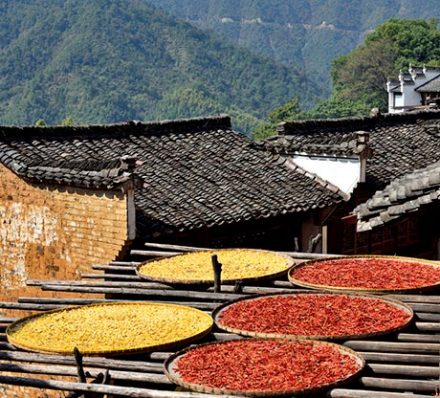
110	329
196	267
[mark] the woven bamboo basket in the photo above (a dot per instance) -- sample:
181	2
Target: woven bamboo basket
395	303
173	375
308	285
208	282
179	342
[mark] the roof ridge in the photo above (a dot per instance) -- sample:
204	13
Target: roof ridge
347	124
222	121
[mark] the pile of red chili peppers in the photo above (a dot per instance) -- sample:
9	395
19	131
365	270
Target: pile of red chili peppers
313	315
369	273
266	365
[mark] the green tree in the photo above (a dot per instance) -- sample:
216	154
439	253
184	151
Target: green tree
359	77
40	123
290	110
67	121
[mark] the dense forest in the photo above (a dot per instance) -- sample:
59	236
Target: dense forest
306	33
113	60
359	77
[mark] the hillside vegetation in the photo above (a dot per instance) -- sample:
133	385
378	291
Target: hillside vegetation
304	33
106	61
359	77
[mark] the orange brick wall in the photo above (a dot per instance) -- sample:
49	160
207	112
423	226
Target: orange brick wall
51	233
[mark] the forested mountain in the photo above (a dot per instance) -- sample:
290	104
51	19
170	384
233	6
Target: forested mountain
305	33
359	77
105	61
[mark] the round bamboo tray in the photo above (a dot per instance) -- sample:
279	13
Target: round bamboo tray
395	303
174	376
301	283
288	262
45	348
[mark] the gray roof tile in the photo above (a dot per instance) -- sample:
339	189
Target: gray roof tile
194	173
398	143
402	196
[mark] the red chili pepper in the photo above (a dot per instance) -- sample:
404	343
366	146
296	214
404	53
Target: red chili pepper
266	365
313	315
369	273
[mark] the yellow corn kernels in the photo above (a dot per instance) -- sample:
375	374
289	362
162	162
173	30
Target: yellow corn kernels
197	266
107	328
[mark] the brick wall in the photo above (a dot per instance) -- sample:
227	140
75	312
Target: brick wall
56	233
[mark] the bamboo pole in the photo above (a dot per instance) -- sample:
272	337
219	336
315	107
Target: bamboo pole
179	248
145	292
415	337
103	389
391	346
131	269
347	393
62	370
111	276
400	384
113	364
400	358
125	263
153	253
404	370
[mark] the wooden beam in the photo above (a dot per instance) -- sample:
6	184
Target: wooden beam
114	268
111	277
28	307
347	393
416	337
177	248
114	364
58	370
295	255
7	319
426	316
47	303
432	308
154	285
400	358
153	253
103	389
417	298
428	326
391	346
404	370
400	384
145	292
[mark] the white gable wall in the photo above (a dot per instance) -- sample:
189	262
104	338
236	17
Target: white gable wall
344	173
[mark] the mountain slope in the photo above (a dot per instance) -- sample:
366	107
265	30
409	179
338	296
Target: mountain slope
306	33
114	60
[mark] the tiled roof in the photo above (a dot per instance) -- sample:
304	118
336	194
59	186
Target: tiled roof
403	195
407	78
399	142
193	173
432	86
346	145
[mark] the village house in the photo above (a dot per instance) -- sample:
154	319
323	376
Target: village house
71	197
364	156
419	87
409	200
